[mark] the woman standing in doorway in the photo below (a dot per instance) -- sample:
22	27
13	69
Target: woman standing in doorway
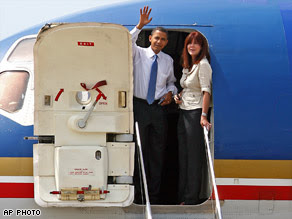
194	101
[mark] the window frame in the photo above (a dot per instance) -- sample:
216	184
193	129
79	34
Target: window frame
25	115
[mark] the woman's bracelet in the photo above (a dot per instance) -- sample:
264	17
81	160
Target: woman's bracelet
204	114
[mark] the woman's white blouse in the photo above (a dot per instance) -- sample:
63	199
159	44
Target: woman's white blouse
194	82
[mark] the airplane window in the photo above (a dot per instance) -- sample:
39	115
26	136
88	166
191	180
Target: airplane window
23	52
13	86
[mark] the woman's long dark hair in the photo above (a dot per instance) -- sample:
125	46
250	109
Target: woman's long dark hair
197	37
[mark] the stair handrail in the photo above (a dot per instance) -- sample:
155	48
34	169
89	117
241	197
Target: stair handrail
211	168
148	214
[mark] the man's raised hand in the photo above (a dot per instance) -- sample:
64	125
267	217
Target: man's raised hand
144	17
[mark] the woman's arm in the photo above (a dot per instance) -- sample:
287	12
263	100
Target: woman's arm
177	98
205	108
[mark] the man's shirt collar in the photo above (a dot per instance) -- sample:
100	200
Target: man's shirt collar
150	53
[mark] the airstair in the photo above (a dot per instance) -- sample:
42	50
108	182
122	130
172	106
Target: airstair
209	209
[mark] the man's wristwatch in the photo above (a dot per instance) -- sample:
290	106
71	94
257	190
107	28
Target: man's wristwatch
204	114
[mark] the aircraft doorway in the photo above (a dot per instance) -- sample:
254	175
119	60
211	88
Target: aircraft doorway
170	176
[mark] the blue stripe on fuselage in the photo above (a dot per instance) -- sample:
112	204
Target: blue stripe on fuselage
286	12
251	84
12	143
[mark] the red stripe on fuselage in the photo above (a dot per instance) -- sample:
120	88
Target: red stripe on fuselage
228	192
234	192
16	190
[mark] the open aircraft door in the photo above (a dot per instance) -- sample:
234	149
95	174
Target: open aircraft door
83	116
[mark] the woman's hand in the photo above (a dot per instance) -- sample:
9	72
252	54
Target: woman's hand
205	122
177	99
144	17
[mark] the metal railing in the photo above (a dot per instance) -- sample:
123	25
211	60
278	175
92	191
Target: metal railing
218	212
148	214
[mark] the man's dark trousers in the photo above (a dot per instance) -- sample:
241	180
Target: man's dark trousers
152	128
